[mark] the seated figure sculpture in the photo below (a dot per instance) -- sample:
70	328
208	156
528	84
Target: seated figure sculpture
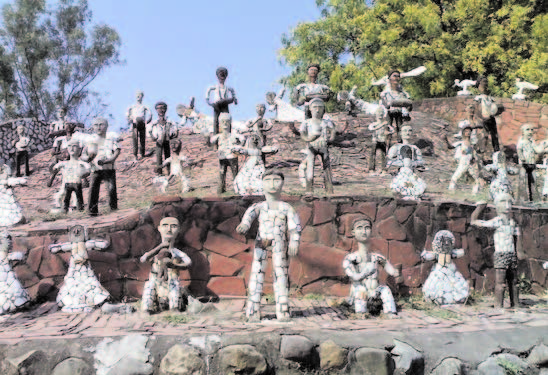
529	151
406	183
361	267
395	157
445	285
318	133
12	294
81	290
279	232
468	160
163	289
501	183
11	212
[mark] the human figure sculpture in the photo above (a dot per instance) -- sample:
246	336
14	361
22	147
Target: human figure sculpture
501	183
487	110
464	84
284	111
226	143
57	127
21	145
318	133
382	134
162	131
12	294
10	209
507	247
138	116
259	125
477	137
306	92
249	180
445	285
522	85
60	150
407	184
101	152
467	158
163	289
529	152
361	267
395	157
74	171
352	104
220	96
180	164
81	290
279	232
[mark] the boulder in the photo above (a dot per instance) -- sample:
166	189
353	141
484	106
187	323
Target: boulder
370	361
449	366
332	356
240	359
73	366
539	356
183	360
409	361
296	348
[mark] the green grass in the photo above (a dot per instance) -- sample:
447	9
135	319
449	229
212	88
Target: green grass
509	367
417	302
176	319
314	296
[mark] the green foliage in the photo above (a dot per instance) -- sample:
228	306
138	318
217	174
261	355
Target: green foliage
50	55
525	285
510	368
176	319
356	41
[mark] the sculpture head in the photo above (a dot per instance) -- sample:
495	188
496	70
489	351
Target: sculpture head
261	109
528	131
221	73
176	146
406	133
161	108
61	113
361	229
77	233
503	203
394	78
273	181
225	122
100	126
70	128
169	228
466	132
270	96
313	70
317	108
21	130
444	242
74	149
139	96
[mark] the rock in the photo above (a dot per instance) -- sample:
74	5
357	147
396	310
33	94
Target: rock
370	361
240	359
390	229
128	356
224	245
296	348
227	286
31	362
183	360
403	253
223	266
539	356
196	307
449	366
497	365
323	212
73	366
332	356
408	359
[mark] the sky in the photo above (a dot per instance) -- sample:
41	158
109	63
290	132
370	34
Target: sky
172	48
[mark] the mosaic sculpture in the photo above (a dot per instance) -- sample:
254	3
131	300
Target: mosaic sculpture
501	183
21	145
10	209
464	84
407	184
138	116
467	159
306	92
352	104
487	110
522	85
12	294
395	157
382	134
529	152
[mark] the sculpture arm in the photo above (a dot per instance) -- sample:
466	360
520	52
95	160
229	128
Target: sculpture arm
214	138
55	248
97	244
388	267
113	158
457	253
348	267
249	217
234	98
294	229
149	254
166	162
180	261
208	94
428	255
269	124
148	117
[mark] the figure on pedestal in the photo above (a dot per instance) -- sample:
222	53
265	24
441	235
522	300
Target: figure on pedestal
81	291
445	285
163	289
306	92
361	268
395	157
487	110
501	183
407	184
222	97
138	116
467	158
12	294
382	133
318	133
10	209
162	131
21	146
529	153
279	232
507	247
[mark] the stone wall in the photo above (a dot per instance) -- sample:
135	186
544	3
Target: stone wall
36	130
222	258
516	113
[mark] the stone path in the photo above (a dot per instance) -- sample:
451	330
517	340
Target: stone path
47	322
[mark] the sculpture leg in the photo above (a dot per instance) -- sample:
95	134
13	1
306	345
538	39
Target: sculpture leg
27	169
382	146
461	169
149	298
255	286
491	125
500	281
79	197
93	200
167	154
511	282
158	151
111	186
174	295
474	172
142	130
280	271
223	164
234	167
185	184
360	299
68	194
372	156
327	175
18	160
310	159
388	304
134	138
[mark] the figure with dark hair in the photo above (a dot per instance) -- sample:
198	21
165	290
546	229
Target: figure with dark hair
220	96
487	110
279	232
305	92
396	101
21	145
162	131
407	184
138	116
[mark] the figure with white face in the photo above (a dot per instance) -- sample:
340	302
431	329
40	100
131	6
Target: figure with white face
22	147
407	184
507	246
529	152
11	212
279	232
361	267
12	294
138	115
306	92
396	101
501	183
468	160
163	289
395	157
382	134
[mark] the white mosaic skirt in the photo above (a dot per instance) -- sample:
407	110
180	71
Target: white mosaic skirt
249	180
12	293
81	291
445	285
10	210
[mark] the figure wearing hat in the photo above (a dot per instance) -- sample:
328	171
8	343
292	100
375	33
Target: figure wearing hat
220	96
138	115
305	92
162	131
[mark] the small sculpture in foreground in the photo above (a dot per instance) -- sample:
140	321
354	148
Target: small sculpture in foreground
464	84
445	285
529	152
12	294
162	131
407	184
280	232
11	212
138	116
81	290
522	85
507	247
222	97
467	158
361	267
21	146
318	133
163	289
501	183
306	92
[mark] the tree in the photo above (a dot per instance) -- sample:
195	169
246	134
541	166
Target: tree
50	57
356	40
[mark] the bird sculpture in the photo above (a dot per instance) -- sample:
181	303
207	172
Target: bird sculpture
464	84
522	85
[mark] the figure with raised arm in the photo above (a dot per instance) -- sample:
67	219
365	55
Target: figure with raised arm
529	153
279	232
352	104
396	101
10	209
138	116
361	267
467	158
81	291
445	285
306	92
162	131
259	125
220	96
12	294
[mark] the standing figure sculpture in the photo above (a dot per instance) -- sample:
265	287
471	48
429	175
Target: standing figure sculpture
162	131
81	291
487	110
163	289
177	162
529	152
279	232
57	127
445	285
318	133
467	158
407	184
507	247
501	183
478	138
382	133
21	145
306	92
60	150
138	116
395	156
259	125
12	294
11	212
222	97
361	267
